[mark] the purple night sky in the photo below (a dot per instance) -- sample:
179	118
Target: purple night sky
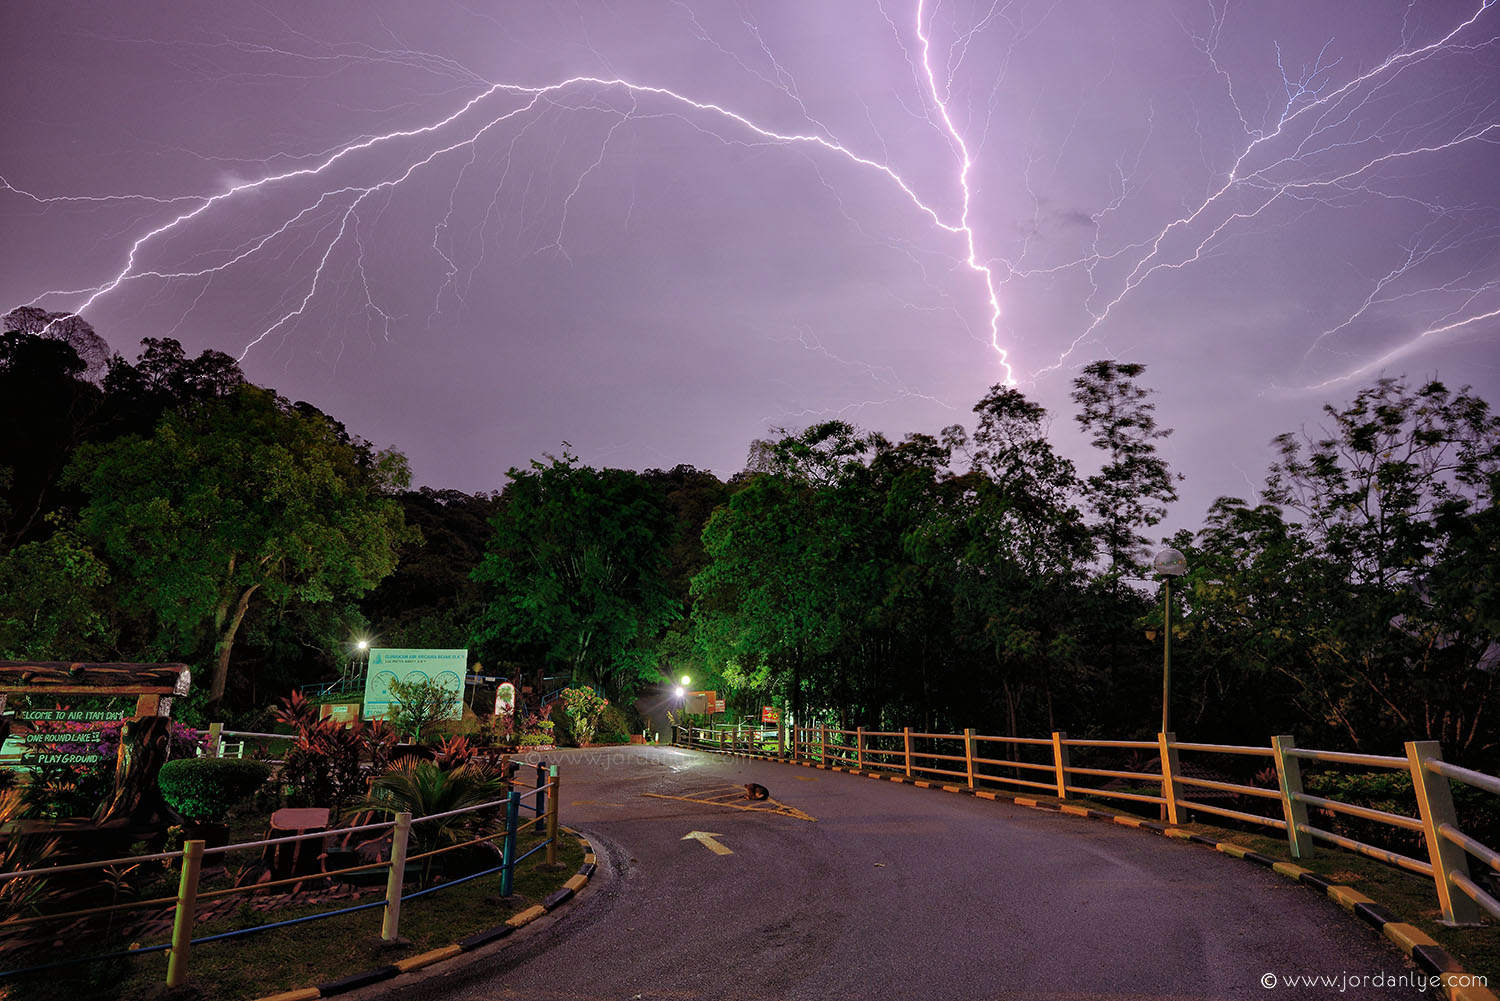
423	219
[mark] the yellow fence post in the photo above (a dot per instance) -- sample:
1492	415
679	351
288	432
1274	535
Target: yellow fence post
552	802
906	739
859	748
391	928
182	921
1289	777
214	731
1060	762
1435	807
969	753
1169	769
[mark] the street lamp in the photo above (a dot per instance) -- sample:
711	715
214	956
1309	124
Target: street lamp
1168	563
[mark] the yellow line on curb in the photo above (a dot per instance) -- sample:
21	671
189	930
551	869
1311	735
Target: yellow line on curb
427	958
1348	897
1287	869
575	883
527	916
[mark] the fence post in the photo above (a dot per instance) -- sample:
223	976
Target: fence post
187	906
969	754
539	806
1169	770
859	748
781	738
823	743
1060	762
552	816
391	927
721	741
508	861
1435	806
1293	810
214	732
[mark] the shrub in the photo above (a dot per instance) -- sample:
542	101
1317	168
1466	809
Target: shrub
614	726
205	788
582	707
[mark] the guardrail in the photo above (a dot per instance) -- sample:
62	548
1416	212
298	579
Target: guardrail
1047	765
185	903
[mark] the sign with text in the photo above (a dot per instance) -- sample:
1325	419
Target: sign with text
699	703
446	667
770	714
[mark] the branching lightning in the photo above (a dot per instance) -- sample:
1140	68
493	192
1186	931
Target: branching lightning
1338	137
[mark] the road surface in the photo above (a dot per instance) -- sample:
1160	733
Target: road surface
840	887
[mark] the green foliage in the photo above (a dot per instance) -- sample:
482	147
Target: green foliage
575	571
244	497
582	706
419	704
18	853
51	601
324	766
206	788
613	727
423	788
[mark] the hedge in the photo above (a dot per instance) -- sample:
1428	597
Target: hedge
205	788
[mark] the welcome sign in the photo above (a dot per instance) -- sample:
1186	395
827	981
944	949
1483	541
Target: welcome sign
446	667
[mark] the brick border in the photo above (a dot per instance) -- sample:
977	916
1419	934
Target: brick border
1414	943
344	985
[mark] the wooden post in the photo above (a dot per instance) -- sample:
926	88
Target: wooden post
390	928
1289	777
182	920
969	753
906	739
1435	806
552	816
1169	770
859	748
1060	762
215	730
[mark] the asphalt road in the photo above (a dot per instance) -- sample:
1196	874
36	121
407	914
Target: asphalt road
895	892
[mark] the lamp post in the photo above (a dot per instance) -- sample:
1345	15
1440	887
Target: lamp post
1168	563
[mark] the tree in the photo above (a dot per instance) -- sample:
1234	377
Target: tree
576	573
240	497
419	703
51	604
1134	487
1396	498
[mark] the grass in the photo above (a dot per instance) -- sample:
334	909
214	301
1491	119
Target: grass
310	953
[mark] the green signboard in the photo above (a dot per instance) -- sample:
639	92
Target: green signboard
446	667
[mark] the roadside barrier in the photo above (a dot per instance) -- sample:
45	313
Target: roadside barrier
544	804
1059	766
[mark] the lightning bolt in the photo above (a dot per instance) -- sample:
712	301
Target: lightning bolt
340	207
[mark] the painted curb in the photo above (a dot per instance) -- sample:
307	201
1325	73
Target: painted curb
343	985
1428	956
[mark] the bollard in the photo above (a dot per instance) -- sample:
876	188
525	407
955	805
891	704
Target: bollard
390	928
552	818
182	921
508	873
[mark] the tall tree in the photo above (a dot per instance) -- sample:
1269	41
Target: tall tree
1132	490
575	573
240	498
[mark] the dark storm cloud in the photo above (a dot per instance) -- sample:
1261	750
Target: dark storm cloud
1269	204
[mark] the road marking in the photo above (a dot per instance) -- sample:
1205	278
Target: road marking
712	797
805	778
707	840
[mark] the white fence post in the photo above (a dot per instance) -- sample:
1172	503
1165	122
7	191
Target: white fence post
1435	806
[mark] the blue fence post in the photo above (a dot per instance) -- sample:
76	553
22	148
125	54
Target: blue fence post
539	805
508	859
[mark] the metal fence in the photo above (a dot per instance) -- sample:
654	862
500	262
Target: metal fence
544	805
1068	768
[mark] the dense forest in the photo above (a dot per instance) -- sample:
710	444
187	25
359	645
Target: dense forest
166	509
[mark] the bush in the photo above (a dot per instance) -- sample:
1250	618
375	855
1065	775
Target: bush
205	788
614	726
562	727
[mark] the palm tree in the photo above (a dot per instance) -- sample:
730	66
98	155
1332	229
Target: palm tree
423	789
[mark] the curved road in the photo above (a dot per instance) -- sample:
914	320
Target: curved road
894	892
